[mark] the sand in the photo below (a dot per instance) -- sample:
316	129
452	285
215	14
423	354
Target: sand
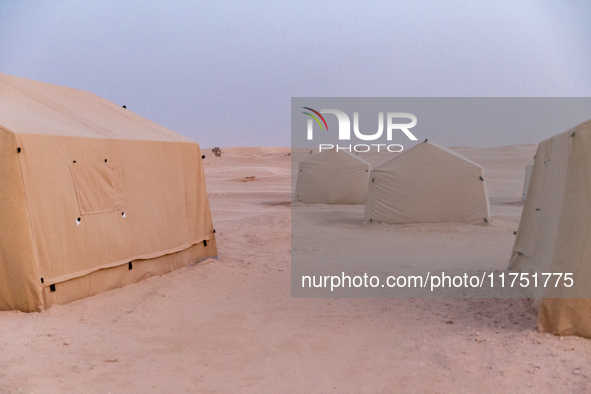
230	325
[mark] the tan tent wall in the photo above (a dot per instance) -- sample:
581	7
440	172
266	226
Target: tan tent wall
112	278
93	188
427	184
554	233
20	287
332	177
165	212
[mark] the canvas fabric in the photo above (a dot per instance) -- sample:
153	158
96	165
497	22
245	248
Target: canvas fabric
554	233
332	177
94	187
528	171
427	184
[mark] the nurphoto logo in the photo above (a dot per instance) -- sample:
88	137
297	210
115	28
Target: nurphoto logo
345	129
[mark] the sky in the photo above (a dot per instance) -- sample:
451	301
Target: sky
223	73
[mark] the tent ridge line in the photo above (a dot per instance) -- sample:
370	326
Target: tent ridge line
435	145
459	156
7	130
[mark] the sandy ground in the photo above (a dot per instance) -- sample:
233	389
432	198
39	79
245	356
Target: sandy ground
229	325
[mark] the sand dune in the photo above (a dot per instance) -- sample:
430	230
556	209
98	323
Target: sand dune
229	325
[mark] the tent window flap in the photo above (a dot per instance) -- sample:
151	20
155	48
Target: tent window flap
95	188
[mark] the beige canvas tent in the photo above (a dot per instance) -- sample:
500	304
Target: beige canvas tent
332	177
92	196
554	234
528	170
427	183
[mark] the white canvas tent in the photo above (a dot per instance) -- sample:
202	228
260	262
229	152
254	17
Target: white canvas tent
554	234
332	177
427	183
528	170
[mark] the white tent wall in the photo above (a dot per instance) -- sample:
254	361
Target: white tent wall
528	170
332	177
554	234
427	184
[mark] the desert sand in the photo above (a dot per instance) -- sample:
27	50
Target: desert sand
230	325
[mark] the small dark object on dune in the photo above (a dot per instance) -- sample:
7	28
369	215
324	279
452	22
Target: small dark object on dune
217	151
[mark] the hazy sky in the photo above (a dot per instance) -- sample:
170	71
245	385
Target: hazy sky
223	73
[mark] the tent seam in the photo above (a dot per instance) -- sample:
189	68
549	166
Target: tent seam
64	114
80	274
440	147
34	241
78	92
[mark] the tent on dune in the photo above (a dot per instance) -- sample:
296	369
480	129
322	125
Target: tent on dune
554	234
92	196
332	177
427	184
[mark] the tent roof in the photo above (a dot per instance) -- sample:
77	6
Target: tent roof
420	146
584	127
32	107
